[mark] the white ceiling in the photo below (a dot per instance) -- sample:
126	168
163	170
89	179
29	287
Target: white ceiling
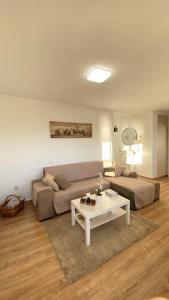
46	47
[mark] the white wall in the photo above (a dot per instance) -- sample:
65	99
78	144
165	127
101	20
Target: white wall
144	123
26	146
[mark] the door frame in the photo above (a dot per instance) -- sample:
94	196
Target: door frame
156	141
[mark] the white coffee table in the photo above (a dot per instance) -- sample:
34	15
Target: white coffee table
106	209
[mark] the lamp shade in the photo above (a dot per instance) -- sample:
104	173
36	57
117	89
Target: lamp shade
106	151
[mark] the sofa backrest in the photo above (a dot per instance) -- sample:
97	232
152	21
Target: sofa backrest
77	171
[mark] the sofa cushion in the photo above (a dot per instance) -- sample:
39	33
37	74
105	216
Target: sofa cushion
76	172
133	175
62	182
129	173
118	170
48	179
62	199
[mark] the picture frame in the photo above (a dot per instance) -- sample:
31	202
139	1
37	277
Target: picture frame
70	130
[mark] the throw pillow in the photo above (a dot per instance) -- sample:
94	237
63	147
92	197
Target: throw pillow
48	179
126	172
133	175
118	170
62	182
129	173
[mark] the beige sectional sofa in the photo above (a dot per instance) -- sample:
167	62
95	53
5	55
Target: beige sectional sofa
83	178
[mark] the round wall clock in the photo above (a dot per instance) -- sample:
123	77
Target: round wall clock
129	136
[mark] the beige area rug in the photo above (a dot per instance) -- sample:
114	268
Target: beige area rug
107	241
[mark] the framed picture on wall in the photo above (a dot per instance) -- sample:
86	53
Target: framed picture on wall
70	130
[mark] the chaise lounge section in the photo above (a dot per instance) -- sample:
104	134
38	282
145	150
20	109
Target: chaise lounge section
141	193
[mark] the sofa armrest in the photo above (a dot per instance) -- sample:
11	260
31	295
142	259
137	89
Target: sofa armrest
125	192
156	185
43	200
45	207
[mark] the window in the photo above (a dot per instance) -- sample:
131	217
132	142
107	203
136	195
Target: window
134	154
106	151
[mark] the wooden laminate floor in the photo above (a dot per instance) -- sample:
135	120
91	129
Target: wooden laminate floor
29	268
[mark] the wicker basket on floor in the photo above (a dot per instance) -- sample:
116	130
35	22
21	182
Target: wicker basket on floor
11	212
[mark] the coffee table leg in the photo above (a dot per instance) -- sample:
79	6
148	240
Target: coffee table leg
87	231
127	208
73	215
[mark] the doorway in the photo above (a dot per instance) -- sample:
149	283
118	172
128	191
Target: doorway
162	145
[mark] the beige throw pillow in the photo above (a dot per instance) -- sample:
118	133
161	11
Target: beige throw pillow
118	170
126	172
62	182
129	173
49	180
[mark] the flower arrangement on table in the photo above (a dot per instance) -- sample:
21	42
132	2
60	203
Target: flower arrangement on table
99	188
88	199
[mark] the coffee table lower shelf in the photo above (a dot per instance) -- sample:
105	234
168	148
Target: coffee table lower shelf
106	210
101	219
